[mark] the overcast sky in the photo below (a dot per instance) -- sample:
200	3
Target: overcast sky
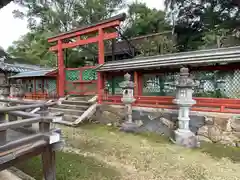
11	29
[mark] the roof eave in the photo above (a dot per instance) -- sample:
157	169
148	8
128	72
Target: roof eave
191	58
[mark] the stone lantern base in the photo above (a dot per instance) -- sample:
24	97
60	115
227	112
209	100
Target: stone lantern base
186	138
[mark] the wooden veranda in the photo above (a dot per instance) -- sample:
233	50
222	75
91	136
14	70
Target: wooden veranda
19	141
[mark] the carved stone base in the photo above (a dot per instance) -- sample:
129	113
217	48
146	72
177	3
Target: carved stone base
186	139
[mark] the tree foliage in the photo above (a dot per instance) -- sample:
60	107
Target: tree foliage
50	17
142	20
33	48
197	24
205	23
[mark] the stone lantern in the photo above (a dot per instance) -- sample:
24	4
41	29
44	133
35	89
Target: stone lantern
5	91
127	96
184	101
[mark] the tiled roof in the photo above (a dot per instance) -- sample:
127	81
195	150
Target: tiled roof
38	73
194	58
13	68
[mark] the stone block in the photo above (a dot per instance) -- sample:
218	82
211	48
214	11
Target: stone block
203	138
203	131
237	134
229	139
214	133
186	139
168	123
235	124
129	127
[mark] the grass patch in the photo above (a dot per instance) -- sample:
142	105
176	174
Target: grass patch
219	151
151	156
71	167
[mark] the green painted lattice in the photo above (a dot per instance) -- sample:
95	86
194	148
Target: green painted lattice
51	85
39	85
159	85
112	85
72	75
89	75
216	84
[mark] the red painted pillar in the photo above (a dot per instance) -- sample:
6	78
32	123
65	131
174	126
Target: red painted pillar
140	84
136	84
35	89
100	61
61	70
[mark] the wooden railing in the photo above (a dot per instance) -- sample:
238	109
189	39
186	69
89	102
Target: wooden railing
203	104
42	141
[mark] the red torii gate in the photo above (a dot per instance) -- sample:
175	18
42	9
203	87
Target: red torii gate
99	29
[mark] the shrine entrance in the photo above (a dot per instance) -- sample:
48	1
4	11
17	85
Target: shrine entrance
84	80
81	81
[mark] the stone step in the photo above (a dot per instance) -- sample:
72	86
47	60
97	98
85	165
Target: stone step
83	98
75	102
73	106
70	118
67	111
67	123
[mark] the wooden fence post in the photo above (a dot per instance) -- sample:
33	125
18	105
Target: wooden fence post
3	134
48	163
48	155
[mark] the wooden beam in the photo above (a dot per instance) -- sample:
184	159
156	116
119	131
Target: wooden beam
23	141
84	41
48	163
32	151
15	124
85	31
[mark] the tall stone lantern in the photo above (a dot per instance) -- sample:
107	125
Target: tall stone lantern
184	101
127	96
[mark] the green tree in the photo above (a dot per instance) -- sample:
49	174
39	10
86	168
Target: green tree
33	48
203	23
50	17
143	20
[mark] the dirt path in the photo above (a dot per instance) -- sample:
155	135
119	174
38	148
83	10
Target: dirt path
139	157
6	175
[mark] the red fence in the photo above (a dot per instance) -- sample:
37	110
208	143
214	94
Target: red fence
203	104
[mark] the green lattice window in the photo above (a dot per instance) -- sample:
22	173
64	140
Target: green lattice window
29	85
113	85
159	84
72	75
39	85
89	75
50	85
218	84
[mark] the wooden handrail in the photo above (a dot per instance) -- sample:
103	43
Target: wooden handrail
25	122
22	141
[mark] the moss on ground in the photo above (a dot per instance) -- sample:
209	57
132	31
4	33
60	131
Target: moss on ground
71	167
103	152
219	151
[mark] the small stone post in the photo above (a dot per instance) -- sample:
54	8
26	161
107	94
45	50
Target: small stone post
183	135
